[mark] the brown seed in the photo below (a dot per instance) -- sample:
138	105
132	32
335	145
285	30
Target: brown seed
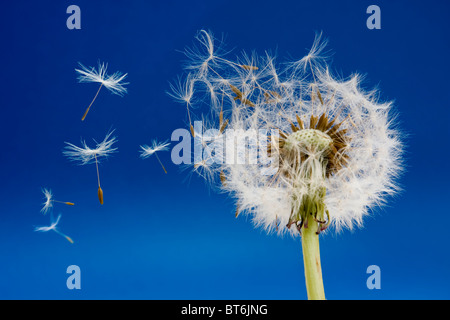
248	103
313	121
322	122
269	95
192	131
70	203
329	124
85	114
239	95
236	91
283	135
320	96
69	239
333	148
223	126
100	195
334	129
223	179
247	67
300	122
294	128
275	94
339	145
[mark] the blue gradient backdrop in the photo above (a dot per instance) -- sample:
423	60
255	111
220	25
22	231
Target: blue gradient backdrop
169	236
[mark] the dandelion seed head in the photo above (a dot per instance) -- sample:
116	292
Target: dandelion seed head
338	151
309	138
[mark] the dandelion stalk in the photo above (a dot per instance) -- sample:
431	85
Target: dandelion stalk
311	261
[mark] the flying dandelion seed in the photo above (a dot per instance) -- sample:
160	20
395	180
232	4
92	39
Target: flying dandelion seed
156	147
182	91
53	226
337	149
113	83
48	204
86	155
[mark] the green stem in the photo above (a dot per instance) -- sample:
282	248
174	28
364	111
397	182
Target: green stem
311	260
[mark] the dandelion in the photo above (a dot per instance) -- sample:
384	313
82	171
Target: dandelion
156	146
53	226
113	83
335	146
48	204
86	155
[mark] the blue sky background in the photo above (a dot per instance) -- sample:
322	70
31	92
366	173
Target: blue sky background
169	236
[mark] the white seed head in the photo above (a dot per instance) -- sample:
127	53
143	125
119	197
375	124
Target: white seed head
310	139
338	142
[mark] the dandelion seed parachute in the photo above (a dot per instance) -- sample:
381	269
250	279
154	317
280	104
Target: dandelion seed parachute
48	200
156	147
48	204
86	155
352	173
113	83
53	226
182	91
